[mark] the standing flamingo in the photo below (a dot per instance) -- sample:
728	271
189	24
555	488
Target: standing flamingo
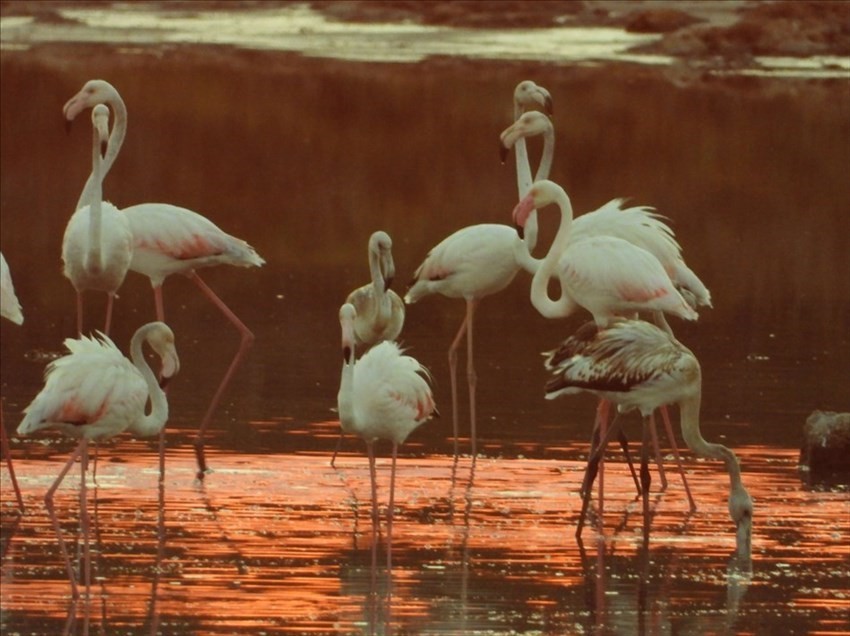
380	311
98	245
641	226
10	309
477	261
636	365
169	240
94	392
384	395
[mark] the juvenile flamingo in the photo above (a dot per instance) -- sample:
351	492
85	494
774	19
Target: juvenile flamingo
10	309
475	262
636	365
98	245
172	240
384	395
94	392
380	311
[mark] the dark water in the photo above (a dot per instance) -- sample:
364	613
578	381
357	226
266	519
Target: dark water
304	159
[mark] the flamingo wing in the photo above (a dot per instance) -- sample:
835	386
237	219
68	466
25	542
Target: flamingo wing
9	306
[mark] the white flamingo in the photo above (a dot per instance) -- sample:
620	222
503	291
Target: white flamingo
94	393
380	311
168	239
636	365
384	395
475	262
97	246
10	309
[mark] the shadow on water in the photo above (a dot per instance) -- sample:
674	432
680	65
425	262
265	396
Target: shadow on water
304	159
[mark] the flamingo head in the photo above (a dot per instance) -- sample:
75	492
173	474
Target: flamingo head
161	340
347	314
100	122
528	125
741	511
381	249
528	95
94	92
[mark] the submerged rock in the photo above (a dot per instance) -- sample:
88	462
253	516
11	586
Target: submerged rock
826	447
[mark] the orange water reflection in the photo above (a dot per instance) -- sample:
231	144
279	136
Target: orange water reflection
282	544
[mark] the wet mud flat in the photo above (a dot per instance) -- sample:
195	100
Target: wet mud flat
283	544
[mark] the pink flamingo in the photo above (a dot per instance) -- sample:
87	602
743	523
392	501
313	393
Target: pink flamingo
97	245
168	239
641	226
94	392
384	395
380	311
636	365
475	262
10	309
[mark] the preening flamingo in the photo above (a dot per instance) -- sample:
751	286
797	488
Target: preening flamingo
380	311
384	395
94	392
477	261
97	246
10	309
636	365
168	239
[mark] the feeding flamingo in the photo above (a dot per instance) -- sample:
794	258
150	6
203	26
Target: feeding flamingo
475	262
636	365
94	392
641	226
168	239
97	246
380	311
10	309
384	395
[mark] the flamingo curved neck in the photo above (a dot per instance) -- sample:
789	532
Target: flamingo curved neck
94	262
693	438
116	140
545	166
152	423
540	298
377	276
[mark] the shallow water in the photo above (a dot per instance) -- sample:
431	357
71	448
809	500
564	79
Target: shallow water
304	159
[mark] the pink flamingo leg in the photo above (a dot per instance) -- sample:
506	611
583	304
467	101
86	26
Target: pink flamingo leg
247	339
602	423
645	477
84	519
471	377
665	415
370	449
453	376
7	455
592	470
48	502
79	314
390	510
110	299
658	460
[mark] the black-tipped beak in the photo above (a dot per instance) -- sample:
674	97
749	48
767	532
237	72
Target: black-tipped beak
503	152
547	104
163	383
520	230
103	145
68	123
388	282
346	354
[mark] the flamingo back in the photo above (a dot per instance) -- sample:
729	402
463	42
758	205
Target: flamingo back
91	392
391	394
10	308
377	319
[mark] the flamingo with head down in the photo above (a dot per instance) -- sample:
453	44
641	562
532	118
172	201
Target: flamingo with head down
168	239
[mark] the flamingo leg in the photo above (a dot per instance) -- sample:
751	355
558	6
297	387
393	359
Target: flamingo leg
7	455
390	510
48	502
602	411
157	302
471	377
624	444
110	298
662	474
645	477
247	339
453	376
338	446
84	520
370	449
592	470
665	415
79	314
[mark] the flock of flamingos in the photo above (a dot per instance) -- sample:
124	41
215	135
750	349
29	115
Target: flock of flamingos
613	262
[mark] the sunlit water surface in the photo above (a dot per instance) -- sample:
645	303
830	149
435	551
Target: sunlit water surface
304	158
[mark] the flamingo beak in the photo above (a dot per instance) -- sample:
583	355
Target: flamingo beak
503	152
347	353
521	212
547	104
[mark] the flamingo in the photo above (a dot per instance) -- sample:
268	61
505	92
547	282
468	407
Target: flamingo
478	261
641	226
636	365
94	393
380	311
168	239
98	245
384	395
10	309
